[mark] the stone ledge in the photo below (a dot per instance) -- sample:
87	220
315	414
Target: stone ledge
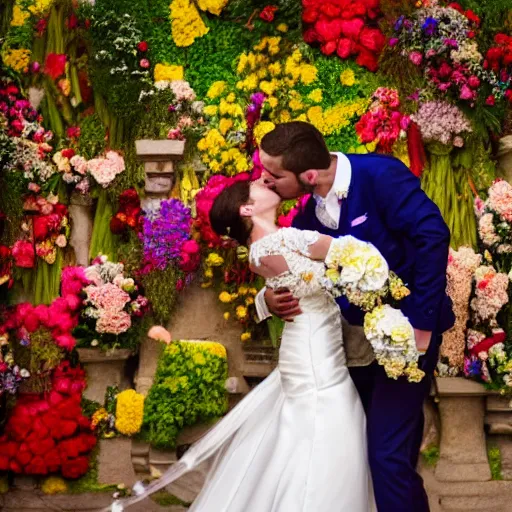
458	386
94	355
158	150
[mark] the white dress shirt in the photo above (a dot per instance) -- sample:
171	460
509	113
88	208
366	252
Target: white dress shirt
327	210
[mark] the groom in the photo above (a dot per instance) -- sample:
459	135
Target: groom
377	199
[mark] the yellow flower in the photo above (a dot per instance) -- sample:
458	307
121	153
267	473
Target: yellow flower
129	412
213	6
285	116
186	23
261	129
225	125
225	297
282	27
210	110
307	276
272	101
243	290
214	260
54	485
231	97
246	336
315	95
348	78
241	312
249	301
17	59
100	415
216	89
19	16
295	104
213	347
208	273
226	315
40	7
253	291
168	72
308	73
275	68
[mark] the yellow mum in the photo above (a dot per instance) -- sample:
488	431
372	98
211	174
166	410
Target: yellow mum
216	89
241	312
186	23
261	129
225	297
225	125
129	412
246	336
213	6
282	27
308	73
19	16
40	7
168	72
348	78
316	95
210	110
17	59
54	485
214	260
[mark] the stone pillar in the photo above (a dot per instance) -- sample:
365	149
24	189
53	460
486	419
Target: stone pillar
498	419
505	158
463	451
80	212
159	157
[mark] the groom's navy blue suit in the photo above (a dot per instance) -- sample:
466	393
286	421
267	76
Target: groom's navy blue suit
408	229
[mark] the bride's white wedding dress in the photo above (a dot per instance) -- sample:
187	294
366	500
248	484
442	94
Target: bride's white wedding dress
297	442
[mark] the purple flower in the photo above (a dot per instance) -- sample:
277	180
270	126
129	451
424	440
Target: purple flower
258	98
393	41
430	26
472	368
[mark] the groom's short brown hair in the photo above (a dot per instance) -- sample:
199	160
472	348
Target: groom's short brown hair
300	144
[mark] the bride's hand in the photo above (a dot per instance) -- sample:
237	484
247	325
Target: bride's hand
422	339
282	303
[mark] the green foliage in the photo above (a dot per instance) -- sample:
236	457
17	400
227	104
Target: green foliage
92	137
494	456
166	499
431	456
188	388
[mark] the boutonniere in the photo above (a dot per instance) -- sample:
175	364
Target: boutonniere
341	193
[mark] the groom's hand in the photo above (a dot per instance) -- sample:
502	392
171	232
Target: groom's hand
422	339
282	303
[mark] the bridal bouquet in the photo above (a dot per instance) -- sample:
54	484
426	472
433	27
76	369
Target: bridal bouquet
357	270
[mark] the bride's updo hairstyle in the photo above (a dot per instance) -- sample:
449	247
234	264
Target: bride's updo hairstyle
225	215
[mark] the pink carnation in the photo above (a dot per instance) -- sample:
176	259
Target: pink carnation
107	296
113	322
500	199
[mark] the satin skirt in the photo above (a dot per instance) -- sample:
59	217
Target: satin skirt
297	442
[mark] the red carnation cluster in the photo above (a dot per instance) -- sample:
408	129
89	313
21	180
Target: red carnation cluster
129	214
342	27
499	59
49	434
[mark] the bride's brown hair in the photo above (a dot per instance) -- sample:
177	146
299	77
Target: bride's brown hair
225	215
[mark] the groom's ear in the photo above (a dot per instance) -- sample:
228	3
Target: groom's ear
246	210
309	177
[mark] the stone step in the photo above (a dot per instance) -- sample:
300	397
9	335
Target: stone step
188	487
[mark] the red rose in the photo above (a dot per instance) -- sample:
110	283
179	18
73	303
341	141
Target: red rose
501	39
117	226
75	468
330	10
268	13
142	46
309	15
73	132
42	446
52	459
32	323
474	82
457	7
15	466
367	60
36	467
68	153
445	70
490	101
328	48
55	65
472	17
23	457
471	34
372	39
189	262
352	28
4	462
345	48
309	35
23	254
328	30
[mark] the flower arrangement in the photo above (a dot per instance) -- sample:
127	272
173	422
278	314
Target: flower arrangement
442	41
383	124
349	29
171	112
129	214
105	169
188	386
48	433
6	266
358	271
166	237
112	306
442	122
11	375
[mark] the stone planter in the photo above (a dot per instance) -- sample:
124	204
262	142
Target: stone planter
260	360
103	369
80	212
159	157
463	451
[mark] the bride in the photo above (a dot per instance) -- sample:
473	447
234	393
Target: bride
297	442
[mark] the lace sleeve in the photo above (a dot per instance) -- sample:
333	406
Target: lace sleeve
298	240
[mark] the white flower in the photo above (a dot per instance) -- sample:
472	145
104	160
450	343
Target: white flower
94	343
138	488
25	373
